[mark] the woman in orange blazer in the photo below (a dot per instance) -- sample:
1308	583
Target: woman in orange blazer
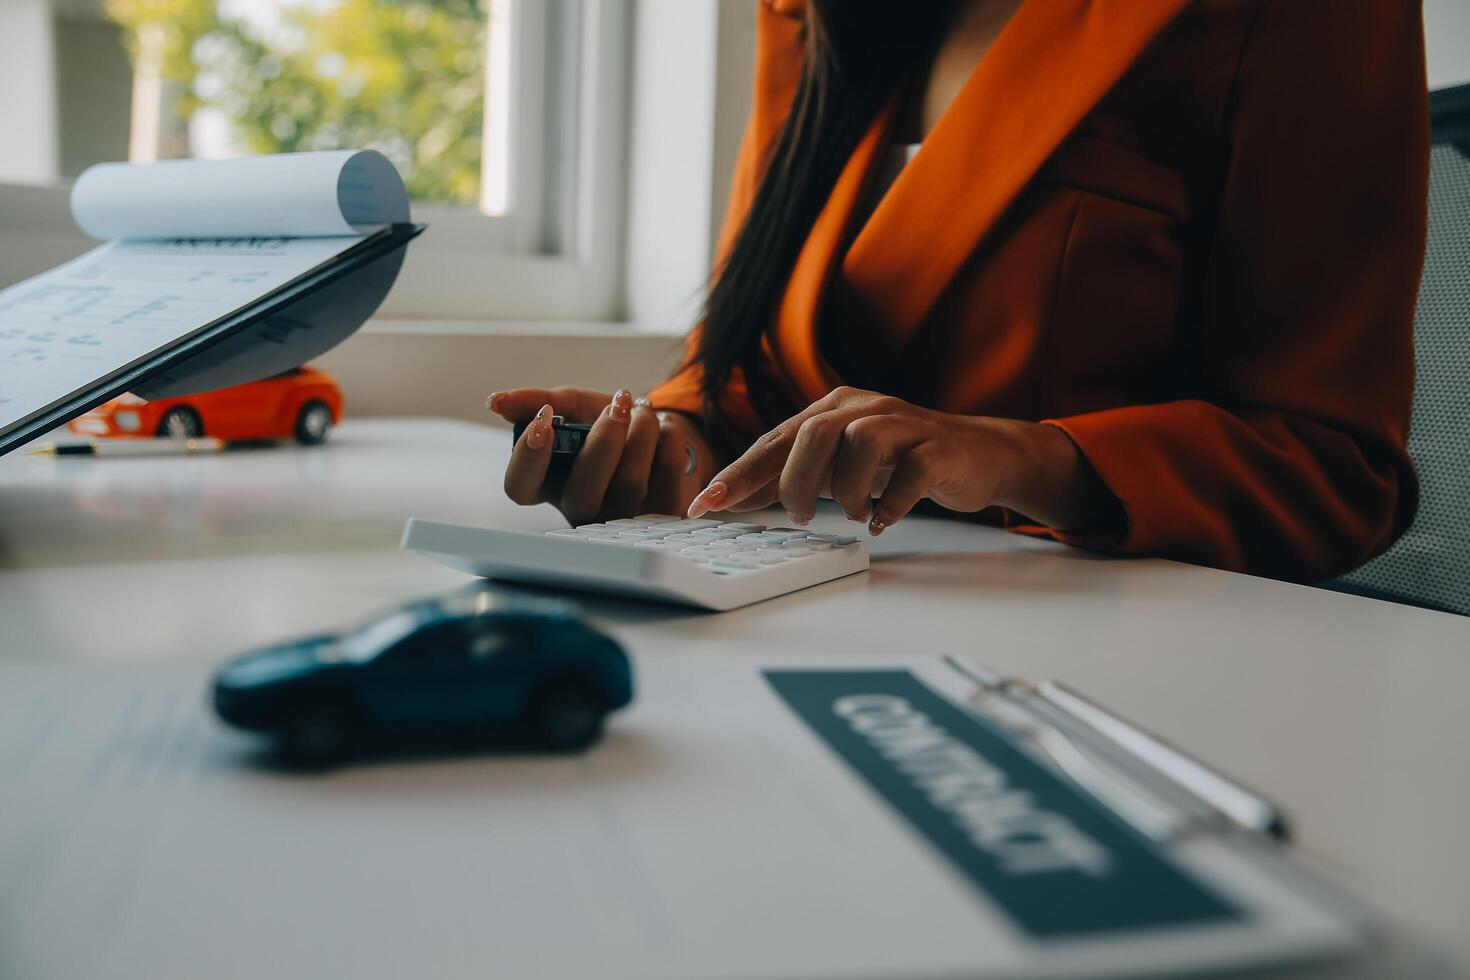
1147	284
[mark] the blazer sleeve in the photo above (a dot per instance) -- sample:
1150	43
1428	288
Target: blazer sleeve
1294	465
777	72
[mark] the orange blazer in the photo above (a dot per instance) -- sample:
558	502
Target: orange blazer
1188	232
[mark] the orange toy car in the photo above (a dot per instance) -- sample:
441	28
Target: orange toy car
302	404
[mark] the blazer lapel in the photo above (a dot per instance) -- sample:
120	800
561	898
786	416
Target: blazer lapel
1052	63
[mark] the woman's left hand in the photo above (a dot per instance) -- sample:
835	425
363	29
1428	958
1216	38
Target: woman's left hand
878	456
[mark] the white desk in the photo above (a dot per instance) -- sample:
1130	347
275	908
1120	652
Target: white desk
1349	711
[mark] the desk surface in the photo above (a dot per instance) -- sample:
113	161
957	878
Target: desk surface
1349	711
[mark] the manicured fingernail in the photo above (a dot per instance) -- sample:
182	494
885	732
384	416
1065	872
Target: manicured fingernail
539	434
708	498
856	518
642	403
622	405
495	400
876	526
797	520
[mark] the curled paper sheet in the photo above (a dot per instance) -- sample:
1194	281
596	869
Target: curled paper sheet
295	195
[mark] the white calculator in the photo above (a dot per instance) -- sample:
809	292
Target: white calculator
707	563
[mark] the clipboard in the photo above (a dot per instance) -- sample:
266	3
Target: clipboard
279	330
1067	820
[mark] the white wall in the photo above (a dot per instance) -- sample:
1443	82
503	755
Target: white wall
28	145
691	91
670	156
734	91
1447	36
94	92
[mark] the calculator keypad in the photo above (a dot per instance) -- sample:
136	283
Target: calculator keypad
718	546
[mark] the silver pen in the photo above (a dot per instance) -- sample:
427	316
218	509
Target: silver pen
1243	806
1162	791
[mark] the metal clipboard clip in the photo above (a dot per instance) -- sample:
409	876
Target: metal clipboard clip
1164	793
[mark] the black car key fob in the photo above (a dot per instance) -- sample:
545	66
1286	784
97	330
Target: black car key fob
566	442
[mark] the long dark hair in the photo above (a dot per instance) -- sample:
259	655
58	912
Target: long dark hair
858	53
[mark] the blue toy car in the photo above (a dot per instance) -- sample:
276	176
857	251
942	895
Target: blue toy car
443	671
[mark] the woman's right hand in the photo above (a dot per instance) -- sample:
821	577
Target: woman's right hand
634	461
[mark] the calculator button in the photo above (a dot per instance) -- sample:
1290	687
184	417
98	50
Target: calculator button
807	544
796	551
839	539
743	528
716	533
567	531
593	527
735	564
629	522
760	537
657	518
788	532
686	525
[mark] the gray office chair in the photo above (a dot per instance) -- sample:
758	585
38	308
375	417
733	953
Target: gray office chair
1430	565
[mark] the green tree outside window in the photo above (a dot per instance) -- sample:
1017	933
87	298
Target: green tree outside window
405	77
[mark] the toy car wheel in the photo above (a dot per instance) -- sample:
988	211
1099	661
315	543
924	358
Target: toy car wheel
313	423
181	423
568	716
317	735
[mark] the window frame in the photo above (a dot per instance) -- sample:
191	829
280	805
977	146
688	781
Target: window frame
555	256
559	257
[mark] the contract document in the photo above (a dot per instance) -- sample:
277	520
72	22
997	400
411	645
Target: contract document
789	818
195	252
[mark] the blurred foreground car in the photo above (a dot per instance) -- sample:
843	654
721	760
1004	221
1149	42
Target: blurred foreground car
443	671
301	404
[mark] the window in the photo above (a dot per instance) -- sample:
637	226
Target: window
487	646
435	646
505	117
218	78
371	639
